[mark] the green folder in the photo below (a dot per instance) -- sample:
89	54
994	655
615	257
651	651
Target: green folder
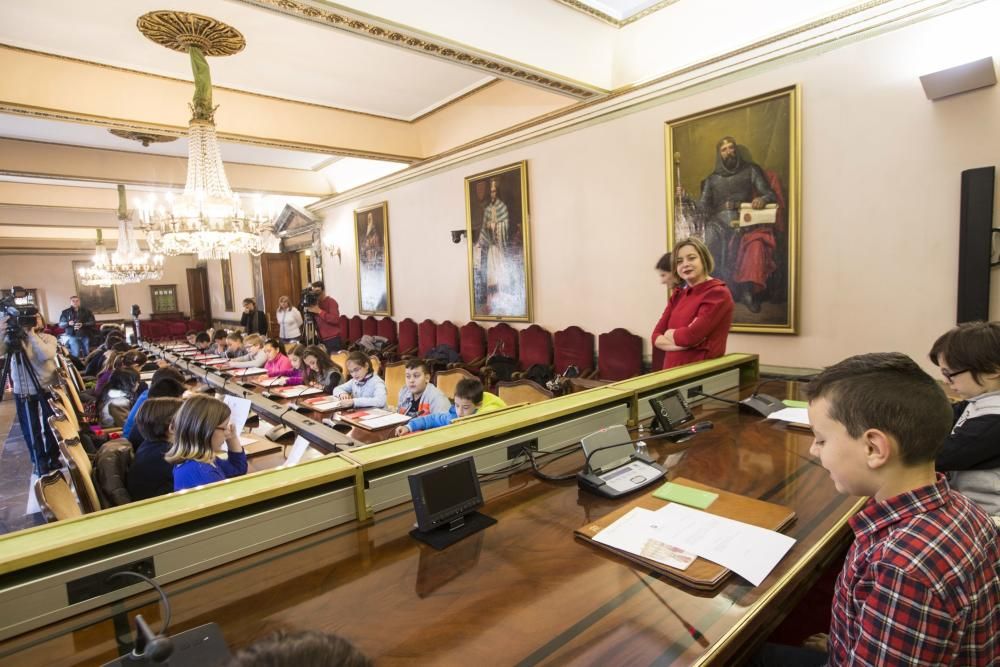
685	495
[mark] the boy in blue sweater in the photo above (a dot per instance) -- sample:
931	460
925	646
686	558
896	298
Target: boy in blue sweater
470	399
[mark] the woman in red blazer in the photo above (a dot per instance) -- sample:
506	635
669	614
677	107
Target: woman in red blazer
695	324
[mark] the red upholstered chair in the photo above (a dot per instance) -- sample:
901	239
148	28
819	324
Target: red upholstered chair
146	329
387	329
447	334
354	329
159	330
177	329
426	337
473	347
535	344
369	327
407	338
657	363
502	339
194	325
345	330
574	346
619	355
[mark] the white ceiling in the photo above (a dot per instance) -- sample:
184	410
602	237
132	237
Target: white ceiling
77	134
284	57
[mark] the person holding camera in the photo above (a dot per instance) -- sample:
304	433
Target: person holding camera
253	321
31	374
79	323
289	321
326	312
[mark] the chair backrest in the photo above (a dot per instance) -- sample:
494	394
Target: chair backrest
536	347
657	363
345	329
74	396
56	498
447	334
387	329
194	325
369	326
395	379
573	346
502	339
619	355
355	329
177	329
447	380
376	363
473	342
522	391
78	463
340	358
426	337
62	404
110	471
407	336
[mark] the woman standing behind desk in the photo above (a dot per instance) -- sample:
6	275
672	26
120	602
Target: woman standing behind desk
695	324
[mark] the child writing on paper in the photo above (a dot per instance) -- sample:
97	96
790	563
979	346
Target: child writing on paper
319	370
277	363
294	374
201	429
255	357
470	399
418	397
234	346
365	389
969	359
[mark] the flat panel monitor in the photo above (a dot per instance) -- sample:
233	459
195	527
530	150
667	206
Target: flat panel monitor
445	494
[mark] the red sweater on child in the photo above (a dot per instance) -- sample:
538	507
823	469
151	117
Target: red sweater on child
700	317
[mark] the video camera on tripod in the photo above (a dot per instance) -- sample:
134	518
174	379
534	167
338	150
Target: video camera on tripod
20	314
308	298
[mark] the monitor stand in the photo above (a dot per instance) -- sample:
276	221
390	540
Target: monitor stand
203	645
460	528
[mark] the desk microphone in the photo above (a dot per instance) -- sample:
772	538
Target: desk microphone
757	403
690	430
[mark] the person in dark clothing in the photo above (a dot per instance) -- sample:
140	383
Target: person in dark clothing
150	475
326	313
253	321
79	323
168	385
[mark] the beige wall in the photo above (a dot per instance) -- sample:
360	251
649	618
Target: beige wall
52	275
242	286
880	222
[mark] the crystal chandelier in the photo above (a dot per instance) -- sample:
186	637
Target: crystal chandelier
207	219
127	264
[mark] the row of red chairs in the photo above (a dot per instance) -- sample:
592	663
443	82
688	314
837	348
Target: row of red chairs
619	352
155	330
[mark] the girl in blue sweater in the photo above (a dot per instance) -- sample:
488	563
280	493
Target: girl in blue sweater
365	389
201	429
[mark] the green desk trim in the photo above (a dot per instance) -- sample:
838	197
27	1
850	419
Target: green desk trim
37	545
382	454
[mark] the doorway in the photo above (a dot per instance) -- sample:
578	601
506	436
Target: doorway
282	276
201	306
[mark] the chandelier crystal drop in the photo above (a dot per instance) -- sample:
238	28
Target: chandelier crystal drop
127	264
208	219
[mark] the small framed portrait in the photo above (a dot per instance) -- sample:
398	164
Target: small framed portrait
371	238
499	244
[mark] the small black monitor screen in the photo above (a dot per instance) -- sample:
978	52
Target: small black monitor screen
675	410
449	486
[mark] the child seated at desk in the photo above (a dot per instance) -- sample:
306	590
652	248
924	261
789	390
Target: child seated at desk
365	389
920	584
219	345
277	363
203	342
234	346
200	430
319	370
255	357
969	359
470	399
418	397
150	475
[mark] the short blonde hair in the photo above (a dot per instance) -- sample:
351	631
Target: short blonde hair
703	252
194	425
253	339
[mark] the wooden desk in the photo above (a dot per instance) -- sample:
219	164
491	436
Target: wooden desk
524	591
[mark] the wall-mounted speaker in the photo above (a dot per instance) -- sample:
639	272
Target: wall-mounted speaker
975	244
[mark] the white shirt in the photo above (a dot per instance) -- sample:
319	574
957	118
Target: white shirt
289	323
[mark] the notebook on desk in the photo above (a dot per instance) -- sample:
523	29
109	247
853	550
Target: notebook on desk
371	418
701	573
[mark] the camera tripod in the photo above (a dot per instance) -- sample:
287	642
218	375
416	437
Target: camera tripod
15	350
309	335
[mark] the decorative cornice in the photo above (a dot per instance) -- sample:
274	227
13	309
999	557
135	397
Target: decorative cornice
182	30
363	26
611	20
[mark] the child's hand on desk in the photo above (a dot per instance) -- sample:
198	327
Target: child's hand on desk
818	642
402	430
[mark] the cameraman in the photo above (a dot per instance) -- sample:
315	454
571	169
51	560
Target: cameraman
33	409
79	323
327	316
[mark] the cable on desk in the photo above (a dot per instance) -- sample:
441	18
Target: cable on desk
541	475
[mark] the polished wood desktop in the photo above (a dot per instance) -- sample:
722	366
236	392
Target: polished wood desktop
524	591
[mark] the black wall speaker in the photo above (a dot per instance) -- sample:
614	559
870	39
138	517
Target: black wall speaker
975	244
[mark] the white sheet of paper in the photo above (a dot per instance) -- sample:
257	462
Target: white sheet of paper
292	392
240	411
385	420
243	372
247	440
793	415
749	551
299	448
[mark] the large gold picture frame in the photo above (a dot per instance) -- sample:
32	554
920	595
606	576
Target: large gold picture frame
498	239
99	300
734	180
371	241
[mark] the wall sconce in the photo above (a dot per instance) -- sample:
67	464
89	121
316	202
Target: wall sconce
961	79
334	251
456	235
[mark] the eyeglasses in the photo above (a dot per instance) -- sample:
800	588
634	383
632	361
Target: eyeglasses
950	375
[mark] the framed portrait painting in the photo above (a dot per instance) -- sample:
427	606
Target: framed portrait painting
99	300
371	238
227	284
733	181
499	244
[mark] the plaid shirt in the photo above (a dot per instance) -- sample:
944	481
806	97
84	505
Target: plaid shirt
920	584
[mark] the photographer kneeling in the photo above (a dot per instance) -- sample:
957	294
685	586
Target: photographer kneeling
31	397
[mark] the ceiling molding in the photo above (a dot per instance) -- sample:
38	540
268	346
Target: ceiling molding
593	12
657	90
384	31
133	126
